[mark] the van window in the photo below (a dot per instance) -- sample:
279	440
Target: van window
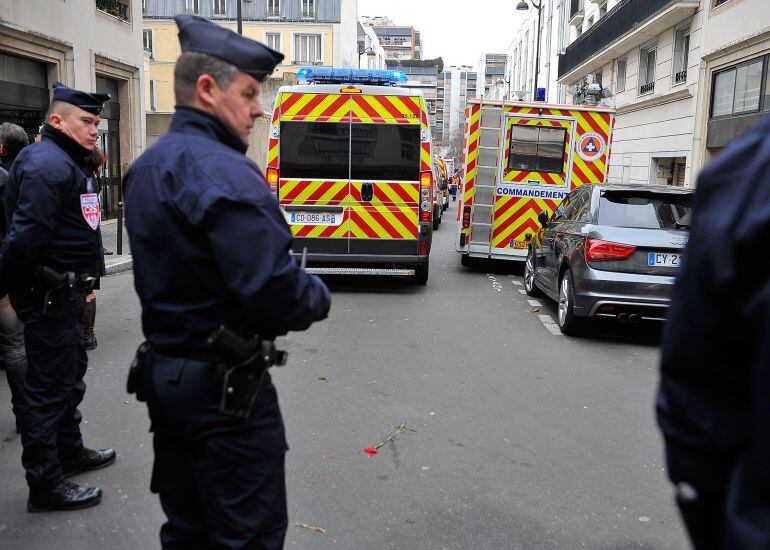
537	148
385	152
317	150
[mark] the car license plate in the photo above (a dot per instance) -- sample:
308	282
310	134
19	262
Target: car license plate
663	259
313	218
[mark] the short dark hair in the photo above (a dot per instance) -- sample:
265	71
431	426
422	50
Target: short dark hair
14	138
191	65
59	108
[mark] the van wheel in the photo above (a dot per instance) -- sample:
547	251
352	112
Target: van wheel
569	324
420	276
529	276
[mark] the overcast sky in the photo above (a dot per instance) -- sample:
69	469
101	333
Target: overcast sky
457	31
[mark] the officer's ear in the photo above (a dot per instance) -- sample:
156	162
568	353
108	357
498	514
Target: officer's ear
206	91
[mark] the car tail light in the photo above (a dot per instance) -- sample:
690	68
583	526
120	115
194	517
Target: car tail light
605	251
272	179
466	216
426	184
423	248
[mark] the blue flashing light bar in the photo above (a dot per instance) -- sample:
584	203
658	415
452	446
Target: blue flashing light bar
331	75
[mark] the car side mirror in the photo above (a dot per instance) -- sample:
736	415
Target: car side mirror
543	218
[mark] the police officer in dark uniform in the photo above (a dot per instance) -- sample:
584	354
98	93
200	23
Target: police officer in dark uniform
211	249
713	403
47	262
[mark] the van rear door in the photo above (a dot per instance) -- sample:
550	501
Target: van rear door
385	163
314	160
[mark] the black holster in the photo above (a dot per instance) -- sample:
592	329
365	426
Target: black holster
139	382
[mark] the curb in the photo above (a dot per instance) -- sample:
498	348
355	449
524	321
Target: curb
120	267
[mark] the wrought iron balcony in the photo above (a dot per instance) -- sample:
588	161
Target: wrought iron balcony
680	77
647	88
629	24
118	8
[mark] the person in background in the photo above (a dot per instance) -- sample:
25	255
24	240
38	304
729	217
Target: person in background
13	139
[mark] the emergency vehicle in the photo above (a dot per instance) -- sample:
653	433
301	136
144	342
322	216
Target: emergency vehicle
349	159
521	159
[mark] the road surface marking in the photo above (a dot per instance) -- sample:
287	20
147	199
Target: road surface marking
534	303
522	291
517	283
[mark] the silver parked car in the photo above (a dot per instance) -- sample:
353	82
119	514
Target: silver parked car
610	251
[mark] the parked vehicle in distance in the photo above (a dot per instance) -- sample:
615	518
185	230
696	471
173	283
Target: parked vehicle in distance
610	251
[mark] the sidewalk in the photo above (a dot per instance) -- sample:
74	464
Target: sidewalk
114	262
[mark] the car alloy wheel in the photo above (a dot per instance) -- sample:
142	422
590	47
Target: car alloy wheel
529	272
564	305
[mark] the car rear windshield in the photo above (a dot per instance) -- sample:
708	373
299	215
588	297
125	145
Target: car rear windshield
318	150
645	210
385	152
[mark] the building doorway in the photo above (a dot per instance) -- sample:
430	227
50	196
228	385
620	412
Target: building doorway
669	171
109	141
24	95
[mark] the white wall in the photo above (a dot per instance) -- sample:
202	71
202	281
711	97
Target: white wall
346	35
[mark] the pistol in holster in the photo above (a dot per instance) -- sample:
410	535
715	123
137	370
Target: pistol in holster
60	289
244	368
137	382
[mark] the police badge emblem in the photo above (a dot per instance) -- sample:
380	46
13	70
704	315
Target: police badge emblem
89	205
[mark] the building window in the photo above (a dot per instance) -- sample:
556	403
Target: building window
147	40
273	40
273	8
603	10
153	95
681	53
738	89
590	22
537	148
620	83
720	2
647	58
117	8
219	7
308	8
307	49
192	6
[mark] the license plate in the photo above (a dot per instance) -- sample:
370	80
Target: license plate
313	218
663	259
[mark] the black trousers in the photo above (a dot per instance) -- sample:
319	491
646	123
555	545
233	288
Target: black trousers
221	480
54	386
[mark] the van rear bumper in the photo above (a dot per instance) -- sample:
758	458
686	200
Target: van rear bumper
383	260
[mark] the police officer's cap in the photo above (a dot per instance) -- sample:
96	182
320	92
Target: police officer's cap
249	56
91	102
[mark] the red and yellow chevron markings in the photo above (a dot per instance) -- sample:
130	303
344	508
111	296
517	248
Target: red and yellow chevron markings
318	193
386	109
393	212
515	216
315	107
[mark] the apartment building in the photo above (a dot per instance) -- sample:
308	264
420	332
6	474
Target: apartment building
399	41
456	84
493	69
86	44
307	32
371	54
734	73
646	53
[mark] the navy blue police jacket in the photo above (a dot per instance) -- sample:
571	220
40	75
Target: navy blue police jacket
209	242
47	224
713	402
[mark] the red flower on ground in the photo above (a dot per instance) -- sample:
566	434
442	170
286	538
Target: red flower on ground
370	451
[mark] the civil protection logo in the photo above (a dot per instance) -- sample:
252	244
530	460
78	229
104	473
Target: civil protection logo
590	146
89	205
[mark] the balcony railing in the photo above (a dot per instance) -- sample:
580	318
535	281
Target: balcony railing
647	88
621	19
118	8
680	77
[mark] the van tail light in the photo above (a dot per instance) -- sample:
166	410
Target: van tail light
272	180
466	216
605	251
423	248
426	184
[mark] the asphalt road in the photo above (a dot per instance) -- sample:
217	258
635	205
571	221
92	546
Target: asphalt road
517	438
